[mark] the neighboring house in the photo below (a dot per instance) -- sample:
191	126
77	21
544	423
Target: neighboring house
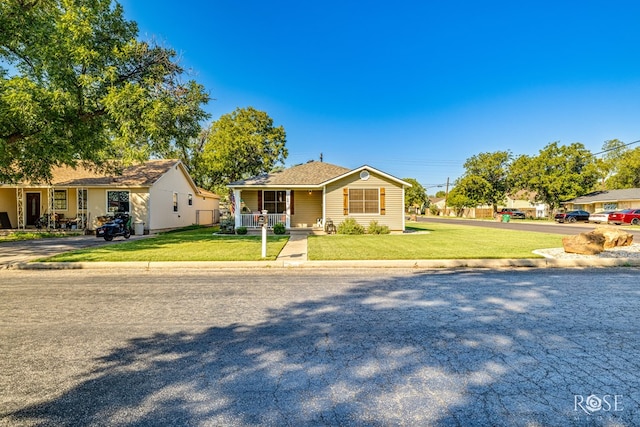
160	194
525	202
606	200
310	194
439	202
522	200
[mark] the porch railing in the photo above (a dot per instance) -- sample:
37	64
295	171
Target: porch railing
251	220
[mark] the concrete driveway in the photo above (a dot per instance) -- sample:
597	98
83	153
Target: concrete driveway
27	250
307	348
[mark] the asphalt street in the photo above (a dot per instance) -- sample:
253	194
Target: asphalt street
522	347
537	226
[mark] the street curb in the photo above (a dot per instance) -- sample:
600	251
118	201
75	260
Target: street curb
406	264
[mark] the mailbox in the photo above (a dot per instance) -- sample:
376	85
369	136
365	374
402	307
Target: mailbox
262	220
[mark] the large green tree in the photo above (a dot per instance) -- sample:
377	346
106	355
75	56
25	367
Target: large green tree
240	144
627	172
613	151
459	200
416	195
77	86
558	173
486	177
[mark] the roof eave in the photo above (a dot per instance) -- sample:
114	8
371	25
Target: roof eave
370	168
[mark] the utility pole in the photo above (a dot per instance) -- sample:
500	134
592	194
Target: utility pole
446	194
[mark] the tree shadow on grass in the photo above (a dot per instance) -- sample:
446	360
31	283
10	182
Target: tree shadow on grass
445	348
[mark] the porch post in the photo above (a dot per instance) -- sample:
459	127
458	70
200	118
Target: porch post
324	206
288	216
237	194
20	205
51	217
402	211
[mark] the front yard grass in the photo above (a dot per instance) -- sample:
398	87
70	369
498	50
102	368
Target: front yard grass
433	241
428	241
192	245
32	235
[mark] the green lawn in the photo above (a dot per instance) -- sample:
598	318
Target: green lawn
441	241
32	235
430	241
192	245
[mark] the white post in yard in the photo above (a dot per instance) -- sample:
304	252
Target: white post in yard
264	239
237	200
288	210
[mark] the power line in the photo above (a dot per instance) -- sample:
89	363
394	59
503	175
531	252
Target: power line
615	148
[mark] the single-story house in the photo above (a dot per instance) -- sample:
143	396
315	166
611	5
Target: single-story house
160	194
525	201
606	200
312	194
521	200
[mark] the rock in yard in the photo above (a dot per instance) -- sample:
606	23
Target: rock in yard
584	243
614	236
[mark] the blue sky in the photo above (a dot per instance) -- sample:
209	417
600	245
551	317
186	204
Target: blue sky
413	88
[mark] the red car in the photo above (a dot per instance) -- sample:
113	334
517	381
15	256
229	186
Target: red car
627	216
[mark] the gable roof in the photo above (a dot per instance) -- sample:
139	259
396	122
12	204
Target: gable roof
308	174
608	196
369	168
139	175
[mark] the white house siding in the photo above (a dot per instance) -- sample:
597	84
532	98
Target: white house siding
139	205
250	199
394	203
161	214
207	209
307	208
97	204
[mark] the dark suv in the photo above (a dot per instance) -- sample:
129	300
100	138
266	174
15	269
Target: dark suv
572	216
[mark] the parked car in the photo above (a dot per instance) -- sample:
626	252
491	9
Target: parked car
514	213
599	217
572	216
626	216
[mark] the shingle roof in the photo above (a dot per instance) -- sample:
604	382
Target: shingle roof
609	196
141	175
311	173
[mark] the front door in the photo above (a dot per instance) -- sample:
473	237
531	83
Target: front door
33	208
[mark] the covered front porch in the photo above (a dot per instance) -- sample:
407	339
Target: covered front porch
295	208
43	207
253	220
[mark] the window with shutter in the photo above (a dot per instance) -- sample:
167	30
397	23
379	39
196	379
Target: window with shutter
363	201
274	201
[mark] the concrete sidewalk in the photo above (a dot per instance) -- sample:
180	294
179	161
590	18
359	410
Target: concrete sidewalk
294	252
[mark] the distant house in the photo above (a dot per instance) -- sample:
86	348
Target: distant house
525	201
606	200
439	202
311	194
158	193
521	200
